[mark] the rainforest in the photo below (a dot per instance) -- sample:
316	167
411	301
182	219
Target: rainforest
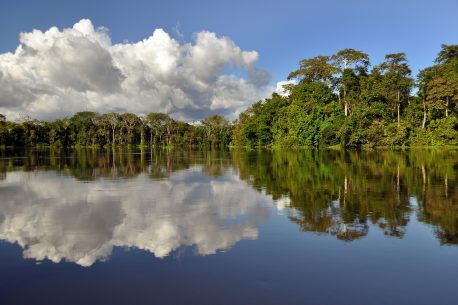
338	100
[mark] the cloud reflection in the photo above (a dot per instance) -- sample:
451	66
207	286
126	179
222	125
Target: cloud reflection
57	218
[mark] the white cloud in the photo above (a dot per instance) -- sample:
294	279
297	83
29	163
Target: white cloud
280	89
58	72
83	226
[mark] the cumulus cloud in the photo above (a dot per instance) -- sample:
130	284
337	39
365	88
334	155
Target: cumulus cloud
57	218
280	88
58	72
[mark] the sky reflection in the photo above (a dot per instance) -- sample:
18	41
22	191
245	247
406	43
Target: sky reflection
56	218
78	206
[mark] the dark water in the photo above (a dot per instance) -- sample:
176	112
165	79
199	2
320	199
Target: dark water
179	227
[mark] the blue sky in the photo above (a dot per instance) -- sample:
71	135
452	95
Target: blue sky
282	32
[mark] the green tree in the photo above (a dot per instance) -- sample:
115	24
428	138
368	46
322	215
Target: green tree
113	121
83	130
156	123
447	54
143	124
217	130
423	79
348	61
317	69
3	129
398	82
131	121
443	93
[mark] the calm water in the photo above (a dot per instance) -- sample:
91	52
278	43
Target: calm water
307	227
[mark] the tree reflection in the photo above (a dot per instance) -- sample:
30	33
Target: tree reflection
58	218
340	193
114	163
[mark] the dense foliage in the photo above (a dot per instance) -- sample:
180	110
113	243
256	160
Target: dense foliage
90	129
334	100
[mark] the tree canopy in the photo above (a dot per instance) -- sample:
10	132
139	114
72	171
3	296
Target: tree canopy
337	99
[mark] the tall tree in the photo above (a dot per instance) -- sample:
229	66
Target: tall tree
156	121
423	79
447	54
216	128
442	93
84	131
113	121
317	69
143	123
3	130
348	62
170	126
438	84
397	80
131	121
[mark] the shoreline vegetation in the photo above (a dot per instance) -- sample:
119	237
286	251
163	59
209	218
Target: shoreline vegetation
337	101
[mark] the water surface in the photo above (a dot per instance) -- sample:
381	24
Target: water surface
228	227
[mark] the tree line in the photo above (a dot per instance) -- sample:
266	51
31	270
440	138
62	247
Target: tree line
337	99
91	129
334	100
